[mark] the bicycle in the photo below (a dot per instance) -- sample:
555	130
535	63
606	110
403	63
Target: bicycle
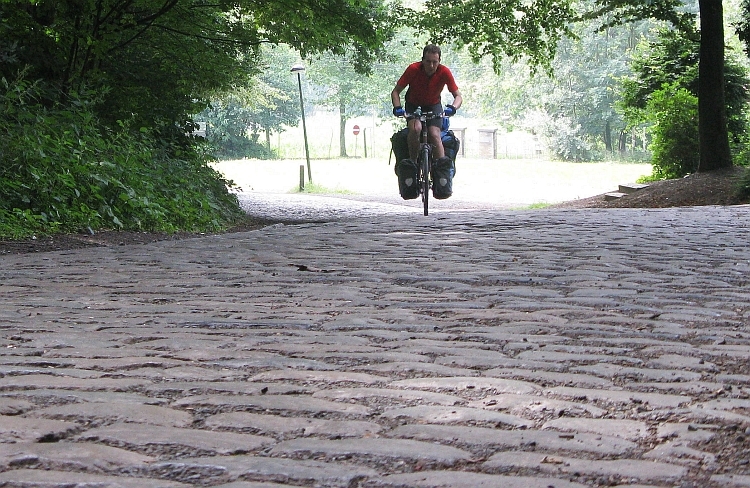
424	157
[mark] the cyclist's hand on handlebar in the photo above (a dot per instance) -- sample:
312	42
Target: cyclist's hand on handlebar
449	111
399	112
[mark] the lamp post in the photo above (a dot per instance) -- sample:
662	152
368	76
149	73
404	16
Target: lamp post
298	68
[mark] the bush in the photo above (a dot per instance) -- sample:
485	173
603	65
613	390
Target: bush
228	125
664	69
563	138
60	170
742	191
675	144
232	146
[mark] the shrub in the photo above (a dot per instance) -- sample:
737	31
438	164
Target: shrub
61	170
675	143
563	137
228	126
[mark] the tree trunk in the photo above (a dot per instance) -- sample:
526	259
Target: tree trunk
712	114
608	137
342	128
268	140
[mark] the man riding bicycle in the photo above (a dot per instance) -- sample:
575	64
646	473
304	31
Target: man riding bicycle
426	80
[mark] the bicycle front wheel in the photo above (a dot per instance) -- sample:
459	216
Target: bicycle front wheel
425	169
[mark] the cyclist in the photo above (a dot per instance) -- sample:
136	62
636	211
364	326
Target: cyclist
426	80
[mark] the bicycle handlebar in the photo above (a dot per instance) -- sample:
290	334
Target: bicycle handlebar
424	116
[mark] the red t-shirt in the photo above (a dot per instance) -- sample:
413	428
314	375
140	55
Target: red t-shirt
424	90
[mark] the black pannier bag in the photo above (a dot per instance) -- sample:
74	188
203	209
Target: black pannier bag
444	169
451	144
400	145
406	170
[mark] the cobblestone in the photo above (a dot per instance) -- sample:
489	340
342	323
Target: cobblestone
369	346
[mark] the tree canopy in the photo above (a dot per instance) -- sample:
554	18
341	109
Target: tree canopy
516	28
162	59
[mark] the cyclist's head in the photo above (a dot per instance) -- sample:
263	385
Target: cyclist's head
431	49
430	59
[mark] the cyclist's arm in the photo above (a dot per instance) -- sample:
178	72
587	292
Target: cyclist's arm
396	95
457	99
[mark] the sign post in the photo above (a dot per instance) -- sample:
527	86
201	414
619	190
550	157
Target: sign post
298	68
355	131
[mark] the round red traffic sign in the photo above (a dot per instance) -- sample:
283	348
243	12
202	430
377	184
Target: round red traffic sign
355	129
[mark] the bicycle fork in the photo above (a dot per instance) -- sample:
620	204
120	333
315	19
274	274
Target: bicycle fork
425	156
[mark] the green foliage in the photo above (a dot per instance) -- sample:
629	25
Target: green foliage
532	29
518	29
352	94
227	125
274	99
60	170
743	25
665	80
68	161
670	58
580	96
673	58
674	113
584	88
236	119
562	137
164	60
743	186
619	12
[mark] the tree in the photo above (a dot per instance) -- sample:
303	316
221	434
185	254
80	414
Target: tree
262	105
712	119
161	60
587	72
672	59
533	28
518	29
275	105
675	146
355	94
574	110
342	88
712	109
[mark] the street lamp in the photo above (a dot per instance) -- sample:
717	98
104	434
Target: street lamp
299	69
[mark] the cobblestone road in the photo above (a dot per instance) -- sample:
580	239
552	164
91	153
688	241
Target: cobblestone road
321	208
466	349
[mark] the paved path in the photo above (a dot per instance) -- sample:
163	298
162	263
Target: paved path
465	349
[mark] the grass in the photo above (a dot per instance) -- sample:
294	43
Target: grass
536	206
314	188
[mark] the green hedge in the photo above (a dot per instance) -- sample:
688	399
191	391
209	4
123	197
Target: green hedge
62	171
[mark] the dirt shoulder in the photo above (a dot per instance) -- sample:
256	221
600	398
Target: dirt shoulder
713	188
63	242
699	189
